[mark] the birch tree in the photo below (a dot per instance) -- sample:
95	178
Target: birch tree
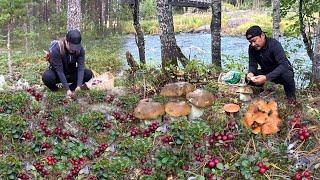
276	19
74	15
10	12
170	52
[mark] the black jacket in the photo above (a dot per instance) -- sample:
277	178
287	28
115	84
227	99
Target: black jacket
67	65
271	58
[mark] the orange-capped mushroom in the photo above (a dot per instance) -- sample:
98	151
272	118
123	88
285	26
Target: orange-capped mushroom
269	128
231	108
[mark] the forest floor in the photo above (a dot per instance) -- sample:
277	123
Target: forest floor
96	136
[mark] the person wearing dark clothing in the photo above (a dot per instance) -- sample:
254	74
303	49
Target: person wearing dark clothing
274	65
67	64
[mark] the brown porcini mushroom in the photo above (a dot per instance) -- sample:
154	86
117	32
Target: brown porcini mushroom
148	109
245	93
176	89
200	98
177	109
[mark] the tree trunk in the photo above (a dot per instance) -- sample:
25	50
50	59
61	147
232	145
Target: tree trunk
239	3
26	41
74	15
46	13
308	45
216	33
170	51
9	52
139	31
58	6
315	79
103	13
306	40
276	19
256	4
108	14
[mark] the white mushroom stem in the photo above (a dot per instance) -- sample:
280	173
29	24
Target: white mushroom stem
195	112
245	97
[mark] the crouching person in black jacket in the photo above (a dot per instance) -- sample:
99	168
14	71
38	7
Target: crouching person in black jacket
67	64
270	56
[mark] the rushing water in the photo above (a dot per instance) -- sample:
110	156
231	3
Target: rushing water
198	46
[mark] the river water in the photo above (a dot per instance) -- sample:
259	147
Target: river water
233	49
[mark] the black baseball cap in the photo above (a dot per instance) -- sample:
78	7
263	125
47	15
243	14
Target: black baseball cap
74	39
253	31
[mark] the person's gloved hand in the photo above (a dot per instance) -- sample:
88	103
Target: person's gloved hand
258	80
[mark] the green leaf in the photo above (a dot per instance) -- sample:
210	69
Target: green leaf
158	164
15	136
164	160
178	141
60	166
245	163
36	149
220	166
55	151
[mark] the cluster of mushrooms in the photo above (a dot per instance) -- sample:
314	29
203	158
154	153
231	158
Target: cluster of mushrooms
184	100
262	117
192	102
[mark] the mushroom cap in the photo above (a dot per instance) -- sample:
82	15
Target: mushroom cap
269	128
269	107
177	109
248	120
176	89
148	109
231	108
245	90
260	117
178	72
200	98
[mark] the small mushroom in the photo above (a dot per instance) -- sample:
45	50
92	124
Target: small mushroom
231	108
177	109
148	109
245	93
176	89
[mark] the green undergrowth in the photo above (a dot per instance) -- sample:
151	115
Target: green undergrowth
99	131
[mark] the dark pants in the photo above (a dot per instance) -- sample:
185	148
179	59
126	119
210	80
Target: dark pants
286	79
51	79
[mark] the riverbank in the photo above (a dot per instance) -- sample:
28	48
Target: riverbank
233	23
